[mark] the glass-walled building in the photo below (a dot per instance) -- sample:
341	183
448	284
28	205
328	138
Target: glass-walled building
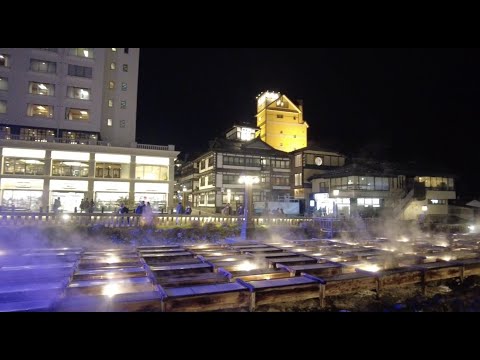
31	179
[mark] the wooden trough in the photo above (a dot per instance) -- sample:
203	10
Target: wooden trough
320	269
256	274
233	296
285	290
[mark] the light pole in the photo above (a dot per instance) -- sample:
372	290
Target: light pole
248	225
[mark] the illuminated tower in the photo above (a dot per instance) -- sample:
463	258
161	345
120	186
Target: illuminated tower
281	122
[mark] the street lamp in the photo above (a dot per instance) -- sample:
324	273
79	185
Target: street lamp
248	225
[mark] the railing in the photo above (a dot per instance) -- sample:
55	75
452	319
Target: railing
402	204
51	139
133	220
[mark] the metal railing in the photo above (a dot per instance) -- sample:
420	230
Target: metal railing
133	220
51	139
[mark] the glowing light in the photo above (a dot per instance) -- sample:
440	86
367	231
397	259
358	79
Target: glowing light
246	266
229	259
246	179
336	192
471	227
112	259
2	252
111	290
217	254
66	217
369	267
403	239
424	208
317	254
301	250
447	258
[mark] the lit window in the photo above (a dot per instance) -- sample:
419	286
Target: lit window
4	84
3	106
41	88
114	49
111	84
125	67
124	86
81	52
77	114
78	93
109	122
113	66
4	60
110	103
40	110
123	104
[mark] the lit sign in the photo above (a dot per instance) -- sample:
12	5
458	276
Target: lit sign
267	97
247	134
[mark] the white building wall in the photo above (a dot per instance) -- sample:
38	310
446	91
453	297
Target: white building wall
122	131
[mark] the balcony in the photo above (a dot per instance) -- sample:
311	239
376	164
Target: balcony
51	139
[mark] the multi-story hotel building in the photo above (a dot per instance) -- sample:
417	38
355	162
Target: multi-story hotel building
67	129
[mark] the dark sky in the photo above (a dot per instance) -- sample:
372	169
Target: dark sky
399	104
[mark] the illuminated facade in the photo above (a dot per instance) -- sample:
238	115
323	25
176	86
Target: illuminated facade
281	122
368	188
308	162
67	129
212	180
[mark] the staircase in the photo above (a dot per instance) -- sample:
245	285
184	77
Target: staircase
398	209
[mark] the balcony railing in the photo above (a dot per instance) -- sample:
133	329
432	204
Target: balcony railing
51	139
133	220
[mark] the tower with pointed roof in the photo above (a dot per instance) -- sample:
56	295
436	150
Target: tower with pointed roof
281	122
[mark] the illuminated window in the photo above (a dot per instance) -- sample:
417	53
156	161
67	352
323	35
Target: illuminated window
78	93
43	66
77	114
69	168
21	166
151	172
298	179
114	49
111	84
81	52
80	71
40	110
4	84
4	60
113	66
111	171
3	106
110	103
125	67
109	122
41	88
41	135
298	160
124	86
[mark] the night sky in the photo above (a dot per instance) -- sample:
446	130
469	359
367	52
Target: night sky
417	105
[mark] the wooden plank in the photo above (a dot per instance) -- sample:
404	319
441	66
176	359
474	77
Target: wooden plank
349	283
181	269
320	269
285	290
191	280
150	301
207	298
298	260
103	274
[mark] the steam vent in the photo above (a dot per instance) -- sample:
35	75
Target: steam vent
238	276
